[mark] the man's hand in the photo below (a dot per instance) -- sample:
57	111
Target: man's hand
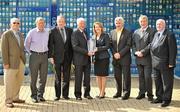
139	54
6	66
170	66
90	53
117	56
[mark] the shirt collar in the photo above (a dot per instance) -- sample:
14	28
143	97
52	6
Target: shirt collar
39	30
161	32
144	29
120	30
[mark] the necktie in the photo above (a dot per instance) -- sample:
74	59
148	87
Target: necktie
84	35
17	37
62	34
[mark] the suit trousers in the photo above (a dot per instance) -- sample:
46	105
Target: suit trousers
119	71
38	64
164	79
65	69
13	79
80	71
145	79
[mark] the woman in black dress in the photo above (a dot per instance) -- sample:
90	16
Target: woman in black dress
101	64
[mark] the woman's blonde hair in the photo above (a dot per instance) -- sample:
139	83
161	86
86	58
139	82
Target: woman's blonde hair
100	25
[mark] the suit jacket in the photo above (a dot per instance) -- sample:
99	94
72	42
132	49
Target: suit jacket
140	43
59	50
164	53
123	47
102	45
80	48
11	51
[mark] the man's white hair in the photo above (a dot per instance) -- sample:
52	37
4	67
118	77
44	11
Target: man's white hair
161	20
14	20
60	16
80	19
119	19
39	19
143	17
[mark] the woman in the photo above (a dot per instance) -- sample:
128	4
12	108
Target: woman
101	64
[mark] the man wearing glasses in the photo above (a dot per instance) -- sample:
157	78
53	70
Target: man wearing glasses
13	57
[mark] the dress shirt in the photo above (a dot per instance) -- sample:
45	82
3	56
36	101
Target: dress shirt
119	35
37	40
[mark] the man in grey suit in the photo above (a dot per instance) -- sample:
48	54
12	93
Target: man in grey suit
163	52
120	48
142	37
81	60
13	57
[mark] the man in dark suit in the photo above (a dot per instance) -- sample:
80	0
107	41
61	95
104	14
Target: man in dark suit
81	60
120	47
142	37
60	54
163	52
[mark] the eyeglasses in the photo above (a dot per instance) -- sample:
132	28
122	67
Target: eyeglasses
16	23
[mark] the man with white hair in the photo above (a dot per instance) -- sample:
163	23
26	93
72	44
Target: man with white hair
36	43
163	52
81	60
142	37
60	54
120	48
13	57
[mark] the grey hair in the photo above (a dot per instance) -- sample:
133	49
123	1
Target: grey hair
60	16
14	20
119	19
39	19
143	17
161	20
80	19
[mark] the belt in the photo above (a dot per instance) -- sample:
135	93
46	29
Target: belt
39	53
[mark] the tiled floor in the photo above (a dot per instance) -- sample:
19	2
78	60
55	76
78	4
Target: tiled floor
96	105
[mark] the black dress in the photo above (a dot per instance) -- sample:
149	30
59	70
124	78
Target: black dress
101	64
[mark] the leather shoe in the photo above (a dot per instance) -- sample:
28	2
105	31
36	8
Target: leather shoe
156	101
165	103
140	96
150	98
116	96
78	98
34	100
56	98
88	97
125	97
66	97
42	99
19	101
10	105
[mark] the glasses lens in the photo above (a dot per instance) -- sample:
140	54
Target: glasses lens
15	23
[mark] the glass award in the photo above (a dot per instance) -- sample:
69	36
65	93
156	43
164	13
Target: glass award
91	44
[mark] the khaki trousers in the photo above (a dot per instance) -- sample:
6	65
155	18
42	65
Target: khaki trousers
13	79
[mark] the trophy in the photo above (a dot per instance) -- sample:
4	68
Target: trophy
92	46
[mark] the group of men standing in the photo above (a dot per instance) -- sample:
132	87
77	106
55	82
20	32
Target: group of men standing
154	50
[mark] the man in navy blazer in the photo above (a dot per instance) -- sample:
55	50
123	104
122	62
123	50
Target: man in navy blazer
81	60
163	52
60	54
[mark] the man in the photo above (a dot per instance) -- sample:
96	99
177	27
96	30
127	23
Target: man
120	48
13	57
142	37
60	54
163	52
36	43
81	60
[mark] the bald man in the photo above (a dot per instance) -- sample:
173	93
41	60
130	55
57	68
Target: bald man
163	52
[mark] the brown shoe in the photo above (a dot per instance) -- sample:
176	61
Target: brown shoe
9	105
19	101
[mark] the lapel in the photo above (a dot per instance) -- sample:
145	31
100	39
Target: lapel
121	37
163	36
14	38
145	34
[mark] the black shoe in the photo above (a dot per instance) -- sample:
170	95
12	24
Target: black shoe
88	97
42	99
78	98
101	97
66	97
116	96
156	101
165	103
140	96
34	100
125	97
97	96
56	98
150	98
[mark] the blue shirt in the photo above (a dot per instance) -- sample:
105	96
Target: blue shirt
37	40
